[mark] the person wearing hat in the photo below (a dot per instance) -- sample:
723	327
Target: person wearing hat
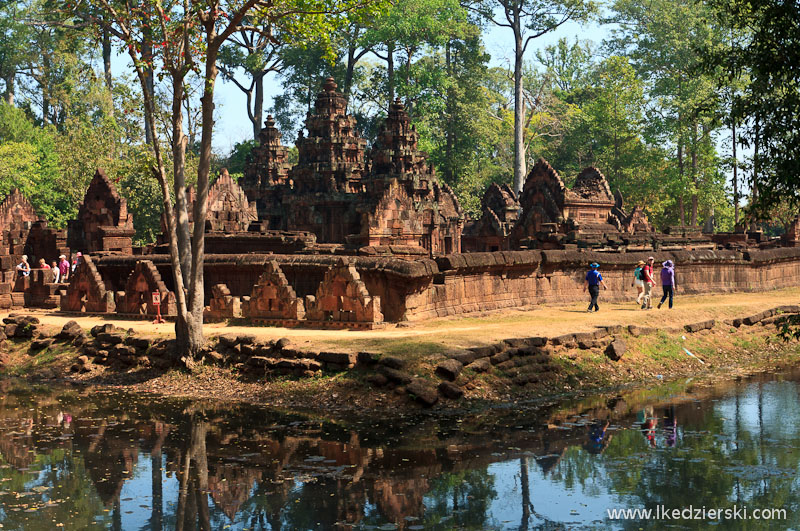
647	277
667	282
638	281
593	282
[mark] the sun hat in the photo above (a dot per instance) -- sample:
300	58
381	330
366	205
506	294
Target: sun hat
641	262
594	265
62	256
651	258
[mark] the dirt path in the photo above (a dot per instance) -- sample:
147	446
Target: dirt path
471	330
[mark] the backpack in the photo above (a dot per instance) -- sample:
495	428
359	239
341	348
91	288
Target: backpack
637	274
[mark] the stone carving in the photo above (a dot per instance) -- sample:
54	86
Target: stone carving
86	291
343	297
332	155
228	207
137	297
103	223
273	297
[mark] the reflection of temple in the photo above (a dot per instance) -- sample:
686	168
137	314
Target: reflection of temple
250	467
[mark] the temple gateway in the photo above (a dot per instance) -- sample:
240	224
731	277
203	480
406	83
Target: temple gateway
354	236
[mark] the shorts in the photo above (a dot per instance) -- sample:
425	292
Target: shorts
638	283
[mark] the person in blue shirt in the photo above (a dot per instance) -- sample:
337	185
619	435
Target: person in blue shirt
593	282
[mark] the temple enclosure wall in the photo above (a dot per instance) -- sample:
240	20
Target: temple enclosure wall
463	283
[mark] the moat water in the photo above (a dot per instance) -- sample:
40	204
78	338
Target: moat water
77	458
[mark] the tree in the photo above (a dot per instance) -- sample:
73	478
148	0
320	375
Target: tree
528	20
187	36
661	39
765	51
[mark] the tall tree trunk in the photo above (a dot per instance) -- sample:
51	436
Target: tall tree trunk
390	70
179	144
449	129
694	173
149	82
756	170
107	58
351	67
519	110
8	95
735	176
258	104
681	206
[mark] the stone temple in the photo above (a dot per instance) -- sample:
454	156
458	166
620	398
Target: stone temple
358	236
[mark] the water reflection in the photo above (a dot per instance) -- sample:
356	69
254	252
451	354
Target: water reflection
84	459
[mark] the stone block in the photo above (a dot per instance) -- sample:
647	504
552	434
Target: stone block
480	366
500	357
348	359
615	350
702	325
465	357
423	391
393	362
449	369
450	390
636	330
396	376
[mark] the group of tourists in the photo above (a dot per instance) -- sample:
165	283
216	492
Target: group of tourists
643	280
62	268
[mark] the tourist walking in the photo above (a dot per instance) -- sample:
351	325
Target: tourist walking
56	272
593	282
43	264
647	277
24	268
63	268
638	281
667	282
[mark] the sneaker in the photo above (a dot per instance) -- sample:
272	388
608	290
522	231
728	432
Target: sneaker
589	310
659	305
644	306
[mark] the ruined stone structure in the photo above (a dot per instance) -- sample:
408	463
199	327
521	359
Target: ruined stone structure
386	202
343	297
229	210
222	304
103	223
137	297
500	213
268	168
273	298
587	216
86	291
23	231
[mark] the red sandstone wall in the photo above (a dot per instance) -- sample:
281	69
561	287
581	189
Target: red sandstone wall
487	281
463	283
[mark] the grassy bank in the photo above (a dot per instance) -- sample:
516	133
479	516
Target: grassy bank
652	355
